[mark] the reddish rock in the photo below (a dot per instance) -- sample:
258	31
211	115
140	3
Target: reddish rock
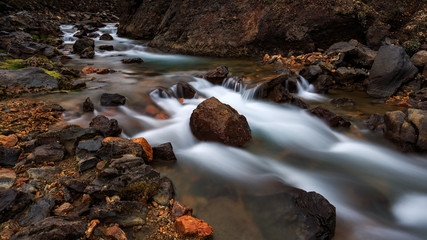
179	210
115	233
7	178
152	110
63	209
89	70
8	141
190	226
217	75
218	122
145	146
103	71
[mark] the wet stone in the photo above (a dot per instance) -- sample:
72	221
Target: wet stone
39	211
87	163
12	202
7	178
41	173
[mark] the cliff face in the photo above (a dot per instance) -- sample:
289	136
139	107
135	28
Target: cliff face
244	27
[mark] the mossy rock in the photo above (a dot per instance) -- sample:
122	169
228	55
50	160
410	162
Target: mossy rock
139	191
411	47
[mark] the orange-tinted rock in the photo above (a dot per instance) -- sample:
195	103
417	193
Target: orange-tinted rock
162	115
8	141
190	226
115	233
152	110
63	209
89	70
145	146
91	226
103	71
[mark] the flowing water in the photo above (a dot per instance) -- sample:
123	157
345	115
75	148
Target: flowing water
378	192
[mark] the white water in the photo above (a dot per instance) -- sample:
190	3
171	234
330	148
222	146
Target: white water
300	150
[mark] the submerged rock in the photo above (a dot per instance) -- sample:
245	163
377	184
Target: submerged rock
132	60
329	117
81	44
108	127
106	47
106	37
112	100
218	122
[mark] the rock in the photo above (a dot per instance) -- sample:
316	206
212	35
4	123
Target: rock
353	53
124	213
12	202
418	118
115	147
104	71
9	156
80	34
87	148
391	68
345	75
163	153
115	233
132	60
6	38
47	153
161	93
63	209
53	228
7	178
376	123
179	210
89	70
69	136
329	117
29	79
87	163
8	141
217	75
341	47
399	131
41	173
115	99
82	44
108	127
166	192
39	211
29	49
419	59
106	47
74	185
145	146
311	72
342	102
218	122
376	34
185	90
88	52
189	226
88	105
106	37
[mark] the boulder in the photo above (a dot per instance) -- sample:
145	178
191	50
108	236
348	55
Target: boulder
165	193
419	59
353	53
189	226
329	117
82	44
163	153
217	75
115	147
88	105
311	72
108	127
53	152
132	60
391	68
106	37
185	90
26	49
29	79
218	122
418	118
376	34
400	131
88	52
112	100
106	47
145	146
12	202
124	213
38	211
9	156
53	228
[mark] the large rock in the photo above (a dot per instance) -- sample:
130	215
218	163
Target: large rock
108	127
218	122
239	28
125	213
106	37
30	79
391	68
189	226
82	44
12	202
9	156
47	153
108	99
400	131
419	119
28	49
53	228
39	211
115	147
217	75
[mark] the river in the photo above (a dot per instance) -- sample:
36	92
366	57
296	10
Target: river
378	193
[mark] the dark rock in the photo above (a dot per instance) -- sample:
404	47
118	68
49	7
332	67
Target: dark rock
115	147
12	202
87	148
93	35
344	75
108	127
323	83
106	47
217	75
215	121
88	52
53	228
399	131
419	59
108	99
106	37
47	153
70	136
166	192
87	163
376	34
179	210
74	185
341	47
39	211
82	44
29	79
185	90
7	178
353	53
391	68
41	173
132	60
88	105
342	102
163	153
311	72
418	118
125	213
9	156
80	34
161	92
6	38
29	49
329	117
376	123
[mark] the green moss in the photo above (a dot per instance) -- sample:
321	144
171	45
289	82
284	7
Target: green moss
52	73
12	64
411	47
139	191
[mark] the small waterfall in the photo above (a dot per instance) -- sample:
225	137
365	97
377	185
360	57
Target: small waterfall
307	91
236	85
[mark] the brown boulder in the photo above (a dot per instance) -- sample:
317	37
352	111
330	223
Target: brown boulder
145	146
217	75
419	119
8	141
116	147
218	122
190	226
108	127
